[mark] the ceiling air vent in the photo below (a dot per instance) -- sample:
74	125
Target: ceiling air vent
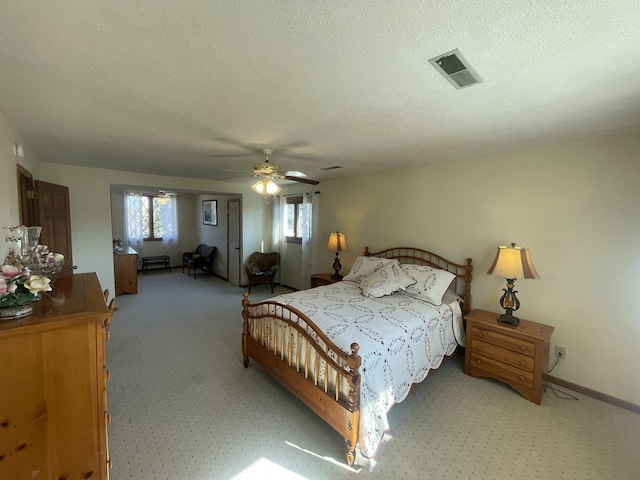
456	69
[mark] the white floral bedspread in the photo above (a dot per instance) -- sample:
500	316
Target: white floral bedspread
401	338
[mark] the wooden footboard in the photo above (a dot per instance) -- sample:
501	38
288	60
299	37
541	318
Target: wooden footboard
291	348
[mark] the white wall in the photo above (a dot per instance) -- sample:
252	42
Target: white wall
215	235
575	205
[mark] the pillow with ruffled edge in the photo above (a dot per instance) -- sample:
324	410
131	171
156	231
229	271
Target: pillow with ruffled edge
364	266
385	281
431	283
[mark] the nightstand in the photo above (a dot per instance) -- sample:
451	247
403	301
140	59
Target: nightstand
320	279
517	356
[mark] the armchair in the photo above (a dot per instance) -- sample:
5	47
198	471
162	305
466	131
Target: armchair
201	258
262	268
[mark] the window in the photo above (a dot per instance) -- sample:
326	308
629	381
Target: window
151	209
293	220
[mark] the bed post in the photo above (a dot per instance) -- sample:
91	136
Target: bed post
354	403
245	328
467	286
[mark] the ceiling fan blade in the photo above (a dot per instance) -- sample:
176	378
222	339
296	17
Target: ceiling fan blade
301	156
302	180
225	155
288	146
234	171
236	143
246	175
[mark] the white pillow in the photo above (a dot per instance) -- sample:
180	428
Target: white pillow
431	283
364	266
385	281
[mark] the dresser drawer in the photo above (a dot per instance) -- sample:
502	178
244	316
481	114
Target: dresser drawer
513	375
507	342
503	355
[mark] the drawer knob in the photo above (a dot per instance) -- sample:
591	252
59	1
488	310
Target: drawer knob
108	418
108	374
523	363
478	361
479	348
523	348
109	464
480	334
521	377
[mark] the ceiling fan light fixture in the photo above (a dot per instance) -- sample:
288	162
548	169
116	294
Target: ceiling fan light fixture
266	186
164	195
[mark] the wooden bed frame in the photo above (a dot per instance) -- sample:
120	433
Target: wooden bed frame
267	326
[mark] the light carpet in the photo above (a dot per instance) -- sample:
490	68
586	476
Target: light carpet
184	407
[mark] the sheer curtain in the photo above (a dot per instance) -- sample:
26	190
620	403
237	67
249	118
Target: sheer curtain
277	233
133	224
309	219
169	225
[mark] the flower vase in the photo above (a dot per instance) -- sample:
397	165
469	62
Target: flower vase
22	247
21	281
16	311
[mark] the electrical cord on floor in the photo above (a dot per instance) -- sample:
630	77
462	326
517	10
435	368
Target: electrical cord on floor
559	393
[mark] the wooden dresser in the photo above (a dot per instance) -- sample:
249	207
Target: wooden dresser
125	271
53	386
517	356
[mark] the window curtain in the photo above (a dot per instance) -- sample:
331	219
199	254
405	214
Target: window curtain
133	225
309	221
278	243
169	223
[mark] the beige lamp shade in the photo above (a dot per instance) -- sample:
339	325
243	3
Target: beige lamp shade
337	242
266	186
513	262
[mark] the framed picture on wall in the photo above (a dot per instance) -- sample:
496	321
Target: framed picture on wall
210	212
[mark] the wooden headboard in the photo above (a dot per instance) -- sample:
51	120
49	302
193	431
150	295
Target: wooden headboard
462	282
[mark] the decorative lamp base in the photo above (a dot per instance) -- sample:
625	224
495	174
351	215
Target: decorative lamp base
337	266
509	318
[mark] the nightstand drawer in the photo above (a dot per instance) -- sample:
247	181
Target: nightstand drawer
502	355
512	375
511	343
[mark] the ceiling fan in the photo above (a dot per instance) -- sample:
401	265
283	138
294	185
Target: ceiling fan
272	170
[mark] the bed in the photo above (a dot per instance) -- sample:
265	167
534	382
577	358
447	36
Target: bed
352	349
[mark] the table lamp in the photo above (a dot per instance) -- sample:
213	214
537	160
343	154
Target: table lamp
512	263
337	243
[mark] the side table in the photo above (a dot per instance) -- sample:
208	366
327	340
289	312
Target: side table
320	279
517	356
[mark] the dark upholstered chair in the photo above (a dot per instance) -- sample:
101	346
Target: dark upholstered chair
262	268
201	259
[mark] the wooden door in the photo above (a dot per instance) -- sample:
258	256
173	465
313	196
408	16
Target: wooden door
233	241
26	197
52	214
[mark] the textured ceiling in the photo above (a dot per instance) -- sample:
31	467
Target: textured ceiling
181	88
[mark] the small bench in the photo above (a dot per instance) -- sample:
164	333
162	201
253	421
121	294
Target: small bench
157	262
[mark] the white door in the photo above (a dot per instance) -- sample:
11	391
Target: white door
233	241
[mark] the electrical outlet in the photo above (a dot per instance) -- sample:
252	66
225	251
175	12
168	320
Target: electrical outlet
561	352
